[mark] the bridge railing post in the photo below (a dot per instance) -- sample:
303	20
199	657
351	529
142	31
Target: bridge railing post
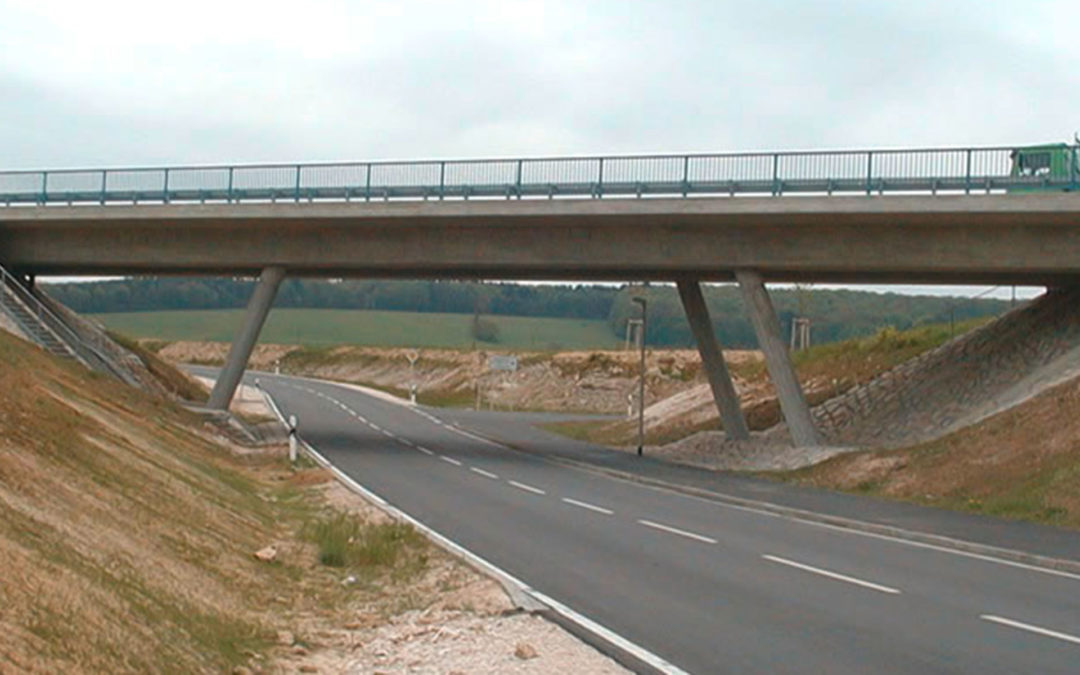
776	174
685	175
442	179
230	189
44	187
296	189
165	187
517	183
104	184
869	173
967	173
600	179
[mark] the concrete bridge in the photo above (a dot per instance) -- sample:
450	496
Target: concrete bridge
932	216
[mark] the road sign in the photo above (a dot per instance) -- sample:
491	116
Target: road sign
503	363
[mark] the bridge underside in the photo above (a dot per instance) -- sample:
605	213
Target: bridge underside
1021	239
995	239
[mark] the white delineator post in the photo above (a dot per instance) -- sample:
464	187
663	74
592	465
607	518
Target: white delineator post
240	352
292	439
777	359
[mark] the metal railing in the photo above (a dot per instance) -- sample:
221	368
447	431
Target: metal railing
85	348
930	171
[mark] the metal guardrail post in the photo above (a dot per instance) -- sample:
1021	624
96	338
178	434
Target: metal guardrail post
165	187
44	187
230	192
967	174
442	179
296	190
517	182
600	180
776	174
104	185
869	172
367	186
685	175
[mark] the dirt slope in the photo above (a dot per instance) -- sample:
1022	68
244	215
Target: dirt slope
127	533
1021	463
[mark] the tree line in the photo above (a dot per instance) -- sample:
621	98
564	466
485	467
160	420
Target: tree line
836	314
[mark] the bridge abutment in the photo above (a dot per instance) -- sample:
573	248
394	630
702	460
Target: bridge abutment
257	310
777	359
712	360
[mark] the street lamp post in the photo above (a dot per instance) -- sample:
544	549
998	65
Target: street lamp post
641	382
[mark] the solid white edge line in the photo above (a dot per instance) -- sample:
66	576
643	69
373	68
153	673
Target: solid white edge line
1031	629
485	474
675	530
527	488
614	638
450	460
482	564
586	505
832	575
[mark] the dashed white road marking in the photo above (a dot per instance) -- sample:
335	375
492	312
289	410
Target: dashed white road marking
374	426
486	474
586	505
425	450
450	460
1031	629
527	488
831	575
675	530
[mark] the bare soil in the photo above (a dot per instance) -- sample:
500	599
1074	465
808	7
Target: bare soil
127	534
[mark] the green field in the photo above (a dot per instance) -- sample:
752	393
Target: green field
358	327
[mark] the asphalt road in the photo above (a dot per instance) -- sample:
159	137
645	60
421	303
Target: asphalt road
709	587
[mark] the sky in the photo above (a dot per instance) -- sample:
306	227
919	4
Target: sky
118	83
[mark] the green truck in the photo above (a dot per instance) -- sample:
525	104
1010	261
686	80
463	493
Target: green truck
1053	166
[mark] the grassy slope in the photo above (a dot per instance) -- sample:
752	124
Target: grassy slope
126	539
1023	463
332	326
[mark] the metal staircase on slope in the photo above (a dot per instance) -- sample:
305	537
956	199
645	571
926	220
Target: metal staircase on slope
29	314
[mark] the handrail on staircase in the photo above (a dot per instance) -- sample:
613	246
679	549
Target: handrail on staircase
71	338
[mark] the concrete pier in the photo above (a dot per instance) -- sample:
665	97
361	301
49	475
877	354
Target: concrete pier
712	360
788	390
240	352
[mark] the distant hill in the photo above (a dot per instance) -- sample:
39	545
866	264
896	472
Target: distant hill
836	314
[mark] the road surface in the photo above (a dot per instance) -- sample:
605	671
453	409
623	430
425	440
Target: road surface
706	586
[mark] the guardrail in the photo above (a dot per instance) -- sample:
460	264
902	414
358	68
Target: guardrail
933	171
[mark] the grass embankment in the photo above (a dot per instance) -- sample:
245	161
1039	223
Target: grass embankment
1023	463
316	327
825	371
168	375
126	537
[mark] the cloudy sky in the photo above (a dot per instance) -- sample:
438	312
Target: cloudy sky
133	83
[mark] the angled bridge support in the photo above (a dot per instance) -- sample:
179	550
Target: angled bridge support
767	327
240	352
712	360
